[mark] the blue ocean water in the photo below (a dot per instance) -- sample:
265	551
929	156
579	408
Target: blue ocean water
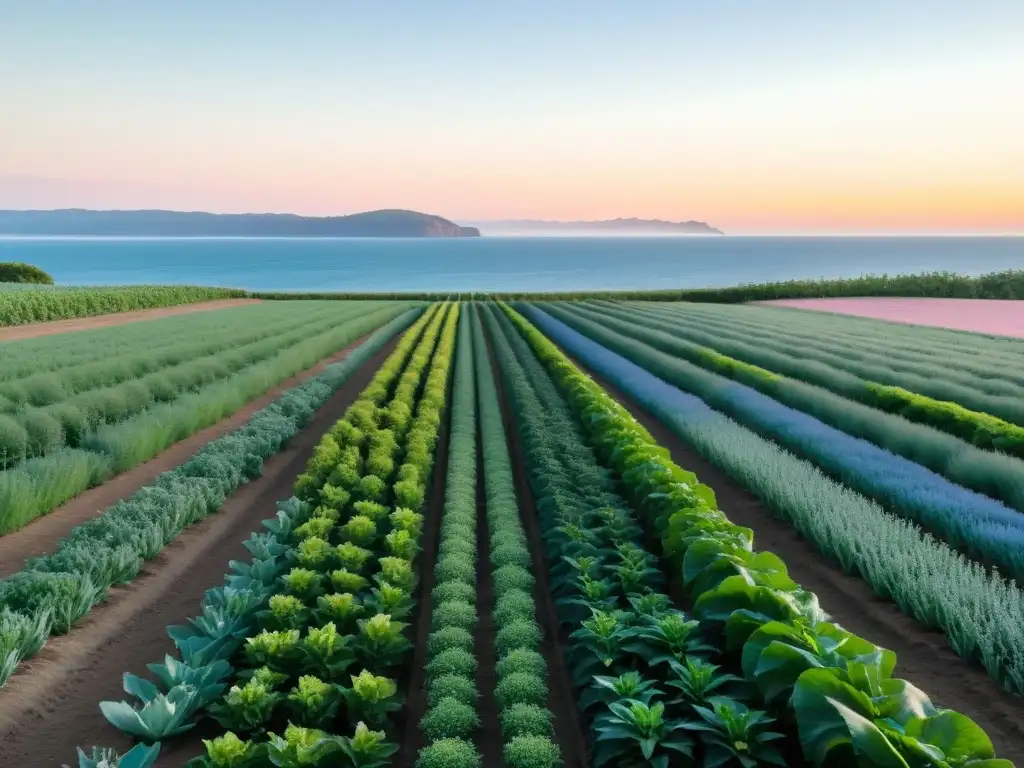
500	263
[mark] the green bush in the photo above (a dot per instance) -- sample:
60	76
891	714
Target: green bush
454	686
532	752
510	554
454	661
449	753
453	590
456	567
522	660
521	633
19	272
512	577
513	605
449	719
521	688
453	614
526	720
450	637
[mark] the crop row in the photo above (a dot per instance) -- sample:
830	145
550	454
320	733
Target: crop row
63	409
38	304
330	580
891	349
648	694
833	691
980	613
38	485
990	425
53	591
978	524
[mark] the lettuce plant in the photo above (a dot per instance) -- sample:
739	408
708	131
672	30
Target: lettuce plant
247	708
207	680
352	557
314	702
301	747
229	751
344	580
397	571
314	553
317	526
381	641
304	583
371	698
326	653
403	519
342	610
286	612
367	749
401	544
277	650
391	600
371	509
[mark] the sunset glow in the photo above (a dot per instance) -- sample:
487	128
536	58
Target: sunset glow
787	119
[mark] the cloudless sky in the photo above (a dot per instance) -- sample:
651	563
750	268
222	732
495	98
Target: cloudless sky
756	116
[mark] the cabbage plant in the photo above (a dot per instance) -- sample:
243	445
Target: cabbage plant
160	717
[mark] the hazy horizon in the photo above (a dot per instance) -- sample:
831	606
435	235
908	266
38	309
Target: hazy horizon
789	118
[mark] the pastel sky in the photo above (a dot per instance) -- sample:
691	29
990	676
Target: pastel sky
756	116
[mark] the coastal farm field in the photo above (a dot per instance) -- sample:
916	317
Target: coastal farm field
526	534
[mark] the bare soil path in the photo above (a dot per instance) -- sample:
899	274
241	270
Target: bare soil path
43	534
52	704
33	330
924	656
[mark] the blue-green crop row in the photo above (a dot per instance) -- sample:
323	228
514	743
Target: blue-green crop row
38	304
908	394
36	486
53	591
968	520
834	692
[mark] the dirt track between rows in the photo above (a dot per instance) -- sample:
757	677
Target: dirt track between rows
34	330
51	705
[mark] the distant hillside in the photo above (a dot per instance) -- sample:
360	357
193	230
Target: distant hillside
74	221
608	227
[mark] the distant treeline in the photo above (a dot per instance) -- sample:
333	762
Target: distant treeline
996	285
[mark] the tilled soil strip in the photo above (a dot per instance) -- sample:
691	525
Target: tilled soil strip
924	656
53	327
43	534
569	728
51	705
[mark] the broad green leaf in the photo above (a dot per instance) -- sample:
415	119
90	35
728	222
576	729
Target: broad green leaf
959	737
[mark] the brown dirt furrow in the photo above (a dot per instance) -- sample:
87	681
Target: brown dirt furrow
34	330
51	705
569	727
924	656
416	691
43	534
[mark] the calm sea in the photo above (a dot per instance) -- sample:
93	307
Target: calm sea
501	263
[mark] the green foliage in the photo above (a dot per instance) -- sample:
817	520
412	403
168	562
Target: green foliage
519	634
521	660
514	605
449	753
451	686
532	752
521	688
449	719
526	720
453	614
454	661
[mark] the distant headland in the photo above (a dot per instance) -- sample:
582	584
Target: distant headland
607	227
156	223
